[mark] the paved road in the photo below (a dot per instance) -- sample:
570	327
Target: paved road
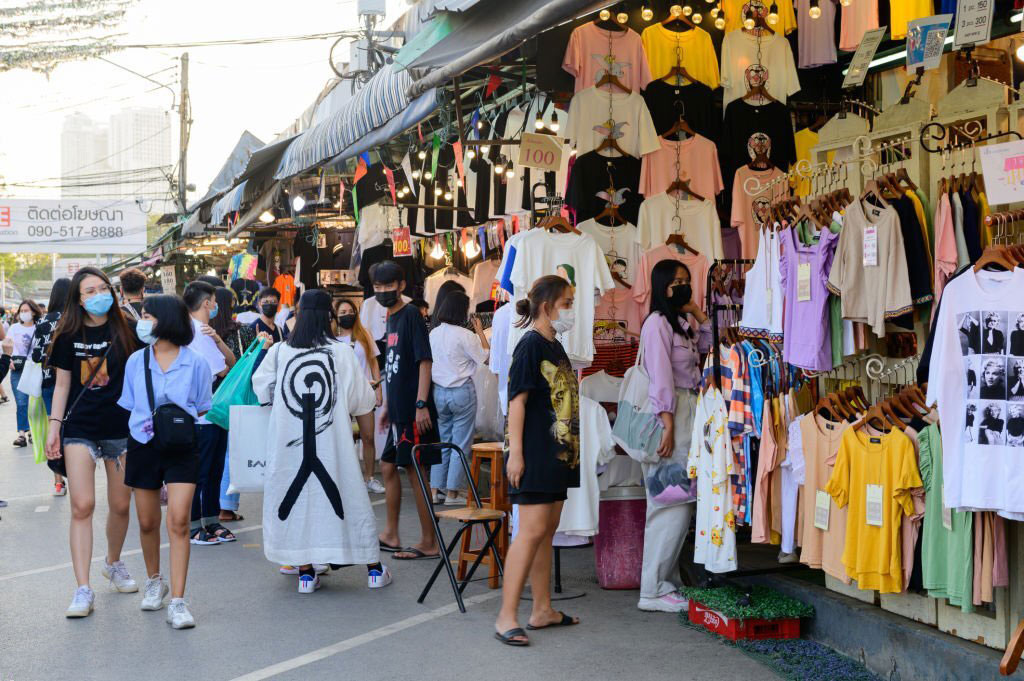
253	625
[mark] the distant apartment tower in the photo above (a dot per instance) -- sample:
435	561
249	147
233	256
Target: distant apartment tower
84	148
140	138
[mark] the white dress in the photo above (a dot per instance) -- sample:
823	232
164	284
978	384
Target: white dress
710	463
301	522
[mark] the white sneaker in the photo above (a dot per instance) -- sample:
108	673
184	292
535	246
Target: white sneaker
81	604
293	570
178	615
308	585
155	591
375	486
668	603
378	579
118	575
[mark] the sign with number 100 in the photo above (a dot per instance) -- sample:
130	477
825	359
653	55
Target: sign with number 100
540	151
401	242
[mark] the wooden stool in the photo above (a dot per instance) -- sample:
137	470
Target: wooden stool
497	499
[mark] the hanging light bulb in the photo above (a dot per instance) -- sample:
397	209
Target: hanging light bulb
845	3
714	12
773	14
479	125
687	10
748	20
605	15
471	248
438	191
499	169
675	10
510	172
647	13
696	18
539	122
815	9
437	252
427	175
266	217
416	174
720	22
622	17
484	149
448	196
470	154
422	155
298	203
554	122
1020	52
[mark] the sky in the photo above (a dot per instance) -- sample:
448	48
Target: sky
261	88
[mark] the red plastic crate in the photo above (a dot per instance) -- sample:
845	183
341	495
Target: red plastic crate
735	629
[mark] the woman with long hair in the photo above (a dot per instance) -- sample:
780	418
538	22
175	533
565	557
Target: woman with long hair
315	508
543	457
352	331
21	333
42	340
90	348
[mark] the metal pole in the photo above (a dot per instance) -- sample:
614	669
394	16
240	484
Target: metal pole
3	286
184	123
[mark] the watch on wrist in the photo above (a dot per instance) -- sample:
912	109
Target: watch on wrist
421	404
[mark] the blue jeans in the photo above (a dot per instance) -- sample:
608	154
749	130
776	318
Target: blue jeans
456	419
228	502
20	401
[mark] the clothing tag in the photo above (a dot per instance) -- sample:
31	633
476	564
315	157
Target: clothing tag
947	513
803	282
821	509
829	426
769	303
321	241
876	440
871	246
873	509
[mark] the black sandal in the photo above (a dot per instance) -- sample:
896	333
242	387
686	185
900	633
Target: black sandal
566	621
510	636
20	441
220	533
203	538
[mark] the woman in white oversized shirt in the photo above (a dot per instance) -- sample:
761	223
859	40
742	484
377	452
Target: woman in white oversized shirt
457	353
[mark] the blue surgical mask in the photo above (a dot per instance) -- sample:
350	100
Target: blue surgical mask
213	312
99	304
144	330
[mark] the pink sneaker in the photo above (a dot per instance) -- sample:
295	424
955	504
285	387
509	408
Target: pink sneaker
670	602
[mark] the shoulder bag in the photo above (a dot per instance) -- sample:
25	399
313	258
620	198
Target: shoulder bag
174	429
637	426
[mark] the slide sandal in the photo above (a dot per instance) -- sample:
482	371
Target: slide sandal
384	546
512	636
416	555
566	621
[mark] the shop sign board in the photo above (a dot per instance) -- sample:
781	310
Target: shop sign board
540	151
925	40
71	226
66	267
973	22
1002	166
858	69
168	280
401	242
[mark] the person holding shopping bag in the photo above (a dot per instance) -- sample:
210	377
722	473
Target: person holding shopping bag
42	341
21	333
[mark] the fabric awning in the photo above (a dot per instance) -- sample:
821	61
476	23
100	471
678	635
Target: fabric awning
265	202
264	157
420	108
235	163
226	204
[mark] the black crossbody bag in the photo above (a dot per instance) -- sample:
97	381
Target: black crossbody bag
174	429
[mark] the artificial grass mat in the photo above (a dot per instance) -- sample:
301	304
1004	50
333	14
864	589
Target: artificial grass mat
766	603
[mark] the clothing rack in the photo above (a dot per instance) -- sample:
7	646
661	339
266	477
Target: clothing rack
714	308
971	131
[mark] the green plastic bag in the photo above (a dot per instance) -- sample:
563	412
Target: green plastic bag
236	388
38	425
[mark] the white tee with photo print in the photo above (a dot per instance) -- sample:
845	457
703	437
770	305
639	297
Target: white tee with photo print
976	376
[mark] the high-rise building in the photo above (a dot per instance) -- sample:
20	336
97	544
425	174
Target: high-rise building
83	152
140	140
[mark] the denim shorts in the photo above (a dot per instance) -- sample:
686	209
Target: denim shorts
112	450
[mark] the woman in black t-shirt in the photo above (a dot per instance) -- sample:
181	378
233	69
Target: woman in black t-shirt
542	445
90	348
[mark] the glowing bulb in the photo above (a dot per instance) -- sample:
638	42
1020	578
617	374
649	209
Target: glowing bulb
471	249
622	17
675	10
484	148
554	123
437	252
720	23
499	169
422	155
845	3
427	175
470	154
647	13
416	174
714	12
539	123
479	125
815	10
687	10
773	19
298	203
697	18
437	191
605	15
510	173
748	20
1020	52
266	217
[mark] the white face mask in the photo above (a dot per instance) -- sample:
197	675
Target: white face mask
25	317
565	320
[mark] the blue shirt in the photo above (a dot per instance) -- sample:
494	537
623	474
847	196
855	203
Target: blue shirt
187	383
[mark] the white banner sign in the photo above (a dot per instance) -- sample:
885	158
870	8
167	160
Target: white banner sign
858	69
66	267
71	226
973	22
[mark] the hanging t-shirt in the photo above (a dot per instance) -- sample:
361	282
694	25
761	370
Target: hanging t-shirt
410	266
694	159
698	223
982	420
858	18
803	141
751	212
593	174
710	464
619	245
821	548
903	12
805	323
693	101
580	512
598	114
551	427
816	39
698	265
758	128
692	49
734	15
483	281
432	283
375	224
285	285
741	51
593	51
408	344
97	416
500	357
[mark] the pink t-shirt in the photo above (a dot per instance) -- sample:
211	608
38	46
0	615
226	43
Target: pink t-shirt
858	17
619	305
698	163
593	50
750	212
816	39
697	264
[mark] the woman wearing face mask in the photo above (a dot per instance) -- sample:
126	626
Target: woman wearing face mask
178	376
21	334
543	456
671	356
90	347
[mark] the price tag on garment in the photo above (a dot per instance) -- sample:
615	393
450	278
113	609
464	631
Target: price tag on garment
873	509
401	242
871	246
803	282
821	509
540	151
973	22
858	69
947	513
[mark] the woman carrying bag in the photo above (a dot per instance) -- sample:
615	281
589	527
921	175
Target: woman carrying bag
42	341
21	333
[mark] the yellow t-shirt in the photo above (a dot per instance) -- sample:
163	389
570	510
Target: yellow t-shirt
872	552
696	53
734	15
902	12
984	212
805	139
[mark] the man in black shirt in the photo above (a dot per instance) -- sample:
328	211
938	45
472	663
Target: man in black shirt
409	411
268	302
133	285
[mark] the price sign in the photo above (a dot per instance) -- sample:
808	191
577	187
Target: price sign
168	281
401	242
925	39
858	70
973	22
540	151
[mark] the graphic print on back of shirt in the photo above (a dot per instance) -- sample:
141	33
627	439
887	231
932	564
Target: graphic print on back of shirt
993	379
611	65
565	403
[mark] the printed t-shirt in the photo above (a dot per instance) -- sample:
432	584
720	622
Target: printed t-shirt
697	158
816	39
740	51
734	15
754	128
858	18
551	432
285	285
751	213
693	100
407	345
822	549
597	114
691	49
697	264
805	322
698	223
592	175
97	416
594	51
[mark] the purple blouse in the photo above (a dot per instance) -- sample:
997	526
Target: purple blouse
805	323
672	361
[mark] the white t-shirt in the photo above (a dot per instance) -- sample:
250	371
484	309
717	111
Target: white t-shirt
580	512
484	273
457	352
21	336
374	318
982	419
246	318
578	258
434	281
501	358
357	347
590	112
375	223
207	348
740	51
698	223
619	245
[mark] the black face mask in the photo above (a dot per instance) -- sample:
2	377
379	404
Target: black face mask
346	321
386	298
681	294
269	309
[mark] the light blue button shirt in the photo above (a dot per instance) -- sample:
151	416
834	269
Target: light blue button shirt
186	383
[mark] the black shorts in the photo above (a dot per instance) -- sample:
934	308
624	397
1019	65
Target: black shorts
146	468
528	498
402	437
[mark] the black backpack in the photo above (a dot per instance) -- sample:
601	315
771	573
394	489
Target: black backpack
174	429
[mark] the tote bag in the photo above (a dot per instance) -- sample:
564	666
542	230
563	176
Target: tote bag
236	388
247	442
637	426
31	381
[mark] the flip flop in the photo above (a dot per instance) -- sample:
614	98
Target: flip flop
235	517
416	553
510	636
566	621
384	546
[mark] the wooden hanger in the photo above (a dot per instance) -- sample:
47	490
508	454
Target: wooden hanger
904	177
875	418
871	189
610	79
610	25
679	240
681	185
557	223
758	91
994	255
677	72
611	211
680	126
759	24
678	23
855	394
611	143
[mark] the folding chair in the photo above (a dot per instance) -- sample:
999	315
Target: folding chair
468	517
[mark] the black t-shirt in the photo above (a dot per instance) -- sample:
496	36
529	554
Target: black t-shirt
593	173
278	333
743	121
407	345
694	101
551	430
41	339
972	235
97	415
246	291
384	251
